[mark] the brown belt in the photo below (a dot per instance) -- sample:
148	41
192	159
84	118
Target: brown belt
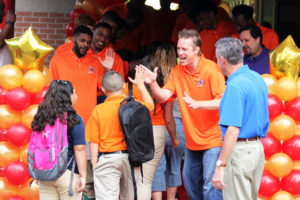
249	139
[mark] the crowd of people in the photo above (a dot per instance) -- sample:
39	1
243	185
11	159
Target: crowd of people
195	69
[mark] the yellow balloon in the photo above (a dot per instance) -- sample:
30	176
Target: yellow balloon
282	195
270	81
34	81
225	6
296	165
8	153
283	127
8	116
28	49
286	88
298	83
28	115
10	77
285	59
47	75
280	165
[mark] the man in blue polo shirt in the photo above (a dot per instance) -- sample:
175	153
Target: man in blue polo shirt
244	121
256	54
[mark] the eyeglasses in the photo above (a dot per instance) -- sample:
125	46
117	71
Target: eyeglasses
62	82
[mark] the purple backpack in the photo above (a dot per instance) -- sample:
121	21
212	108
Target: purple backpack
48	152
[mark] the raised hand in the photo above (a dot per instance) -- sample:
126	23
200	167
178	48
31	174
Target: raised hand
190	102
139	77
109	59
150	77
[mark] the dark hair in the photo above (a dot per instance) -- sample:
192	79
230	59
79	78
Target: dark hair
246	11
114	17
57	102
85	20
255	31
205	6
103	25
82	30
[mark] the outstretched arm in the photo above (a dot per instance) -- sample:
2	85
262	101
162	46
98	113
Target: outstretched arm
206	105
80	156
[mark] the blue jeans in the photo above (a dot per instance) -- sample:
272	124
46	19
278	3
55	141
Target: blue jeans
198	170
168	171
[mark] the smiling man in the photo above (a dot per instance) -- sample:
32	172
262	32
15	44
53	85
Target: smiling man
82	69
201	79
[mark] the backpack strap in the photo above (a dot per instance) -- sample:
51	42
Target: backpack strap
70	191
133	181
129	89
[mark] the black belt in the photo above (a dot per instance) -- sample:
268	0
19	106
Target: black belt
116	152
249	139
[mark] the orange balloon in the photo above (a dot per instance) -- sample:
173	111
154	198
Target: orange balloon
8	153
297	129
298	82
270	81
28	115
18	62
89	6
282	195
8	116
47	75
297	165
280	165
33	65
283	127
23	154
7	189
34	81
10	77
29	192
286	88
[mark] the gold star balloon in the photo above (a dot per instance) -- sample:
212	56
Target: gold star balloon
28	51
285	59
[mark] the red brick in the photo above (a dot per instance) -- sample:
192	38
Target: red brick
42	36
59	42
22	24
49	42
55	36
18	30
47	30
24	13
60	31
66	21
39	25
31	19
47	20
40	14
19	19
55	26
67	15
56	14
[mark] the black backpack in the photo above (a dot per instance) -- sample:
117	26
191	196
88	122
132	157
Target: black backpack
137	129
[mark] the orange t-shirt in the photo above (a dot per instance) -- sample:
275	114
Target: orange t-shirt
103	127
210	37
206	83
157	115
270	37
84	73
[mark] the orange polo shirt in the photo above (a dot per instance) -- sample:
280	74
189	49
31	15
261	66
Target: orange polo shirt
103	127
157	115
270	37
210	37
84	73
206	83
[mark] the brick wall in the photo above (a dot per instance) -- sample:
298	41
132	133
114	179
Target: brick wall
48	26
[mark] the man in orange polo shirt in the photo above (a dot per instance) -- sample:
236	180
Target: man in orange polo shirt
243	15
103	51
72	62
112	171
201	79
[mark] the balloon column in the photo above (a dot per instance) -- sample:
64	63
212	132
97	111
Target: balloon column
22	87
281	177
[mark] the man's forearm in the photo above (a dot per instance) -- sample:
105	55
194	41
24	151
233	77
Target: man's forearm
161	95
94	153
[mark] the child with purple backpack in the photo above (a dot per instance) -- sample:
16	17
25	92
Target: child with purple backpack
57	119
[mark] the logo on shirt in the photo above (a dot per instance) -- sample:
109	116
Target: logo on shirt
200	83
91	70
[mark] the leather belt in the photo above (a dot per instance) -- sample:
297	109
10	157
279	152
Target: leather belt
116	152
249	139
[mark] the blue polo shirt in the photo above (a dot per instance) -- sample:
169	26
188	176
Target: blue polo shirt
260	63
245	104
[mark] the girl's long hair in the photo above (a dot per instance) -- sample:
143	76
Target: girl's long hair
57	102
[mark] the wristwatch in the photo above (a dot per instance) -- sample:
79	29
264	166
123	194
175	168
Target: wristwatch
219	163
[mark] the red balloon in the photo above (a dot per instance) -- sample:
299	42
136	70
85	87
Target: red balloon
18	98
18	134
271	145
70	29
292	148
3	93
16	198
3	134
292	109
38	97
269	184
105	3
275	106
17	173
291	182
76	12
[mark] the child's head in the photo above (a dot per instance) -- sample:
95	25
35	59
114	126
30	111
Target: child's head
112	82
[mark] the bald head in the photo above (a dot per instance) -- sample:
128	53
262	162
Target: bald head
112	81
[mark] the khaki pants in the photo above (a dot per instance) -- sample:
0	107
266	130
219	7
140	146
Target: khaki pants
112	177
58	189
144	185
243	172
